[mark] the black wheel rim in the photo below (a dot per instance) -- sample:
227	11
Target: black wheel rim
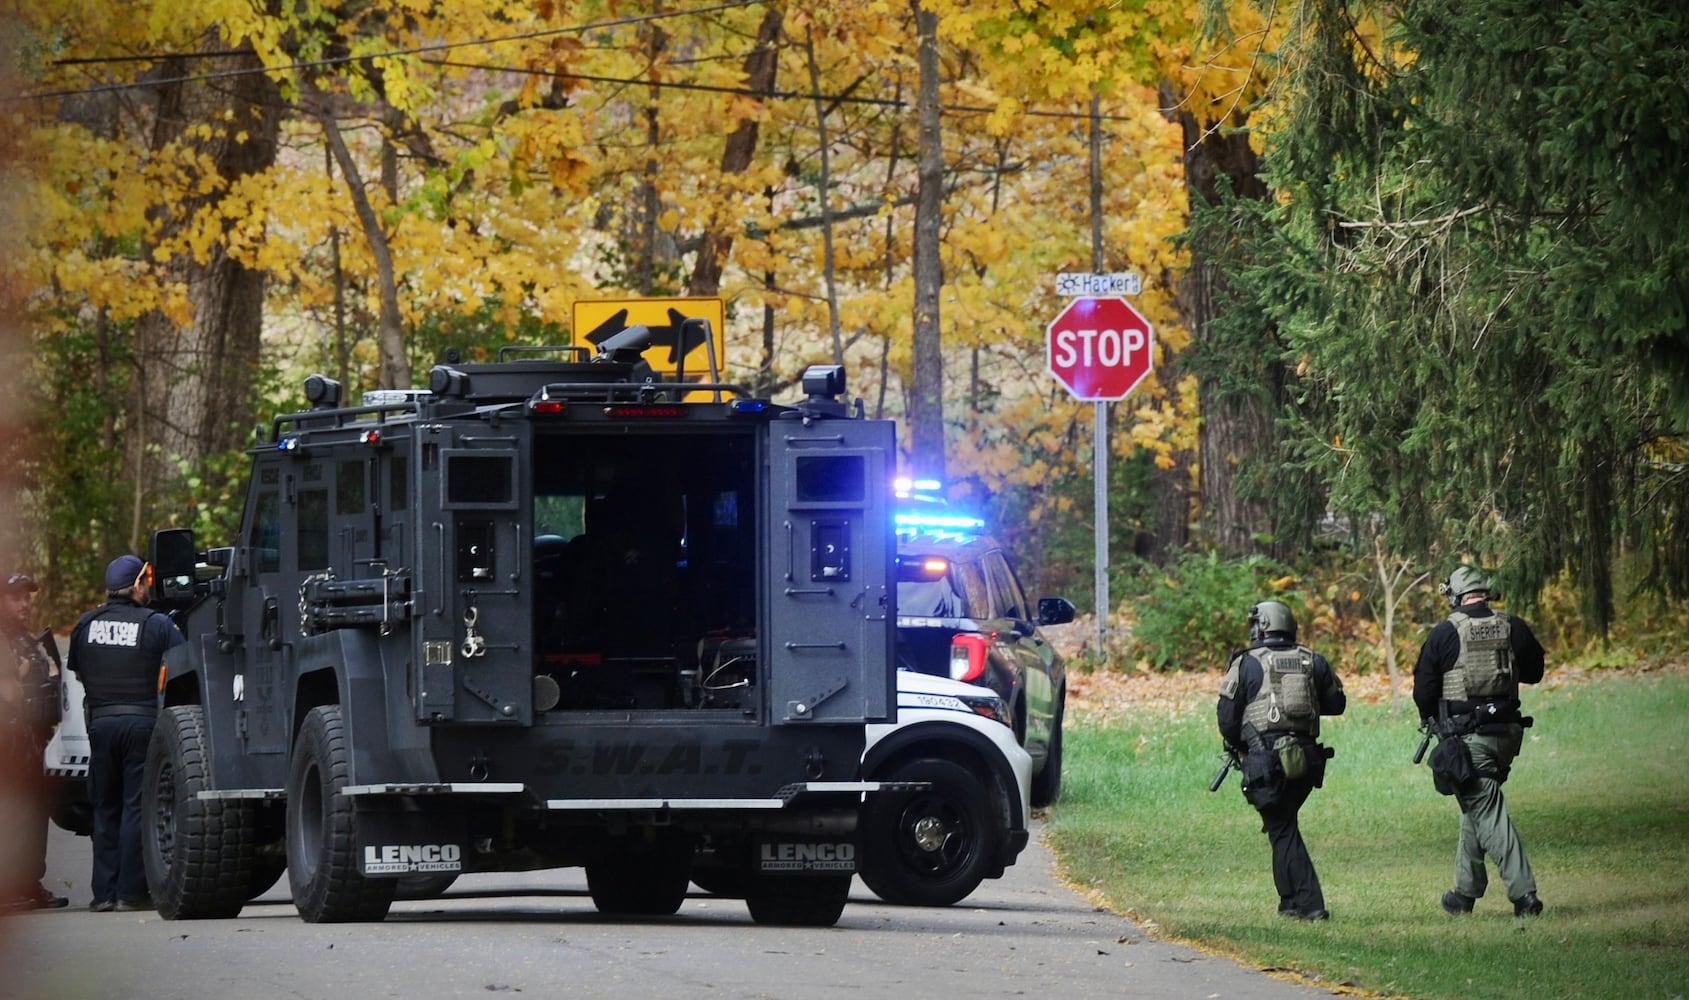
935	836
308	832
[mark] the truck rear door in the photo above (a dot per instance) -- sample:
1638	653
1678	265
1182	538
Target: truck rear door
477	626
830	642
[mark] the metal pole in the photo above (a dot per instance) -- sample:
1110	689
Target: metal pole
1099	476
1099	422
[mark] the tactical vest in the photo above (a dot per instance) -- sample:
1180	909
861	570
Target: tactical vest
110	656
1485	667
1287	701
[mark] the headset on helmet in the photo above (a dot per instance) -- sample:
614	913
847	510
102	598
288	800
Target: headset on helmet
1464	580
1269	617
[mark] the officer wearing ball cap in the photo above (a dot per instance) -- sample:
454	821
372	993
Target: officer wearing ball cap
117	649
1466	682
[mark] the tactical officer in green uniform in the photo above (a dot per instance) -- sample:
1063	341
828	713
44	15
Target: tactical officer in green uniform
1269	714
1466	684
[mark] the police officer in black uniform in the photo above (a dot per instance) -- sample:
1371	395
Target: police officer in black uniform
1269	713
1466	683
31	717
117	649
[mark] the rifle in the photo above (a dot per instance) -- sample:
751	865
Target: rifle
1220	778
1424	727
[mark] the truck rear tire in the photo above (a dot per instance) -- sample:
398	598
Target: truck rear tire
641	880
798	900
322	847
932	847
1046	784
198	853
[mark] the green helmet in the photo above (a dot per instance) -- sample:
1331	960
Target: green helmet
1464	580
1270	617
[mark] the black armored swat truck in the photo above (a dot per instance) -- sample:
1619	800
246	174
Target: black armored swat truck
548	612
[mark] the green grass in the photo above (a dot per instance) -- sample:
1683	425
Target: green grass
1600	796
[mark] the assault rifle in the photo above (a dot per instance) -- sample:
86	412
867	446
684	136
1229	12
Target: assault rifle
1424	727
1225	768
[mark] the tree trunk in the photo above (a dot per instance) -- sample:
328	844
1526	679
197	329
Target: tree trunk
194	384
395	370
926	404
1237	430
736	157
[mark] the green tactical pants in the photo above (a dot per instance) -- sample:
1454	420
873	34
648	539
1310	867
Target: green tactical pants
1485	827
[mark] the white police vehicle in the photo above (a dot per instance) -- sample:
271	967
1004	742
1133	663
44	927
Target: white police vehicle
65	762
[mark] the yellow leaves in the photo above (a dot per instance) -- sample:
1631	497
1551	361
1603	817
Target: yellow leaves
551	142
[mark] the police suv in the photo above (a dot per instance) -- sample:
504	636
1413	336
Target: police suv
548	612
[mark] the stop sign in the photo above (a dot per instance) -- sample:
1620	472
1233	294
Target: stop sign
1100	348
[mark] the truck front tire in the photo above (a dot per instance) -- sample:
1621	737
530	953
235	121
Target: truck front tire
198	853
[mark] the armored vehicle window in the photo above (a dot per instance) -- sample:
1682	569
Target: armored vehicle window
266	532
313	529
563	516
478	479
398	493
349	488
831	479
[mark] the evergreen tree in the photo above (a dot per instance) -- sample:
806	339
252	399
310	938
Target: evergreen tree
1477	265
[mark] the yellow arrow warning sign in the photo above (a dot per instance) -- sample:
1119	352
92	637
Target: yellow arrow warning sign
678	348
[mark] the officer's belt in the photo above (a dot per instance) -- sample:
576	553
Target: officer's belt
109	711
1484	718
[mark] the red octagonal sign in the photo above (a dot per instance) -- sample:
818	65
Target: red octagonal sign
1100	348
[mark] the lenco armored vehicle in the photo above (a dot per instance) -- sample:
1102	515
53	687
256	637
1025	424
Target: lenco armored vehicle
548	612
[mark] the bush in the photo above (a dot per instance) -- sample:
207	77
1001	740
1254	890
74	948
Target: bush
1192	615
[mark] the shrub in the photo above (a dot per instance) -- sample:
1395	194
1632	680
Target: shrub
1192	615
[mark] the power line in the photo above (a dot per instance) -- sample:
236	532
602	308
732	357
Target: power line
344	60
777	95
773	95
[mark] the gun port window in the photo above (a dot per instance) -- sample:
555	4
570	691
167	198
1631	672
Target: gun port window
831	479
476	560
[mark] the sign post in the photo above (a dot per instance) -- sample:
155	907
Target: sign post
1100	349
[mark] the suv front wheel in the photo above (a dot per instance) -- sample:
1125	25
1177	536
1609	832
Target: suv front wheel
931	847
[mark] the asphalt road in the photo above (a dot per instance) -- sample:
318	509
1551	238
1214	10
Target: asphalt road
538	934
